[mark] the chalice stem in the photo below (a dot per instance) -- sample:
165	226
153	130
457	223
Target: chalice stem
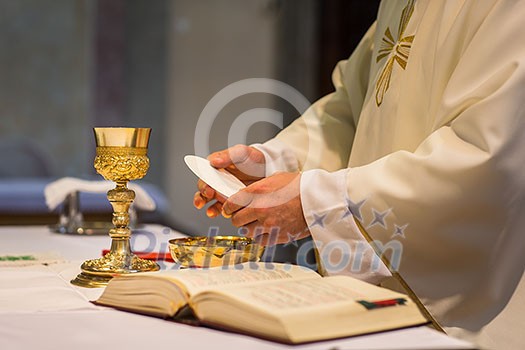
121	198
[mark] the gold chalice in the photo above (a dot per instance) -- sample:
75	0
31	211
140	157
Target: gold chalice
121	157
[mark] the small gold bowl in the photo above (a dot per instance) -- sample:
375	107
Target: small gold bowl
214	251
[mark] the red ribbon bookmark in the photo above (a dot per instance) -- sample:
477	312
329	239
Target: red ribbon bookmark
382	303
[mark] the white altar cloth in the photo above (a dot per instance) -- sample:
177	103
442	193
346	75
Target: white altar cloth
39	308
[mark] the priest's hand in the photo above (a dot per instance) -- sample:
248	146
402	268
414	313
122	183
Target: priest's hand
246	163
269	210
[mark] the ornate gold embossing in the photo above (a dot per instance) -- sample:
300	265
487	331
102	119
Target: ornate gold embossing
121	163
396	49
116	262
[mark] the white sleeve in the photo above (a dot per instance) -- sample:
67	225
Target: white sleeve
331	217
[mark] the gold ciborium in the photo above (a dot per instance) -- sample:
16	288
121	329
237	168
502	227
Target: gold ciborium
121	157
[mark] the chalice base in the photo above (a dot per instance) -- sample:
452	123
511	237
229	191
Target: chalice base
98	272
87	280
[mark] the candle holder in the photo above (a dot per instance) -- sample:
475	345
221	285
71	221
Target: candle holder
121	156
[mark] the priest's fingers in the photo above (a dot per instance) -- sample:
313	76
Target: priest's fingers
237	201
246	163
244	217
198	201
230	156
214	210
205	190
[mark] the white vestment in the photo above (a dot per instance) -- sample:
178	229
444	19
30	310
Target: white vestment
423	143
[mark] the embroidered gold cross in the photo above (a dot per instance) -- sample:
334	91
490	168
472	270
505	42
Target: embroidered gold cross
397	50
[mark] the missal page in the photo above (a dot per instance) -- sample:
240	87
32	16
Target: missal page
196	280
300	294
290	295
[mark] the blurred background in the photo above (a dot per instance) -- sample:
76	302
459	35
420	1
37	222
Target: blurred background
69	65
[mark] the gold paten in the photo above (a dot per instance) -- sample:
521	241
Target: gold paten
121	157
204	251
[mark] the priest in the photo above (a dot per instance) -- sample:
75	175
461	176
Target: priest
419	156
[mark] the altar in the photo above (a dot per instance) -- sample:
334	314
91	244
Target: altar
40	308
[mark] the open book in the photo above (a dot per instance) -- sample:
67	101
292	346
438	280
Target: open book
285	303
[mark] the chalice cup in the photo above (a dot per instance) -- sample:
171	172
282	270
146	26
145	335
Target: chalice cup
121	156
